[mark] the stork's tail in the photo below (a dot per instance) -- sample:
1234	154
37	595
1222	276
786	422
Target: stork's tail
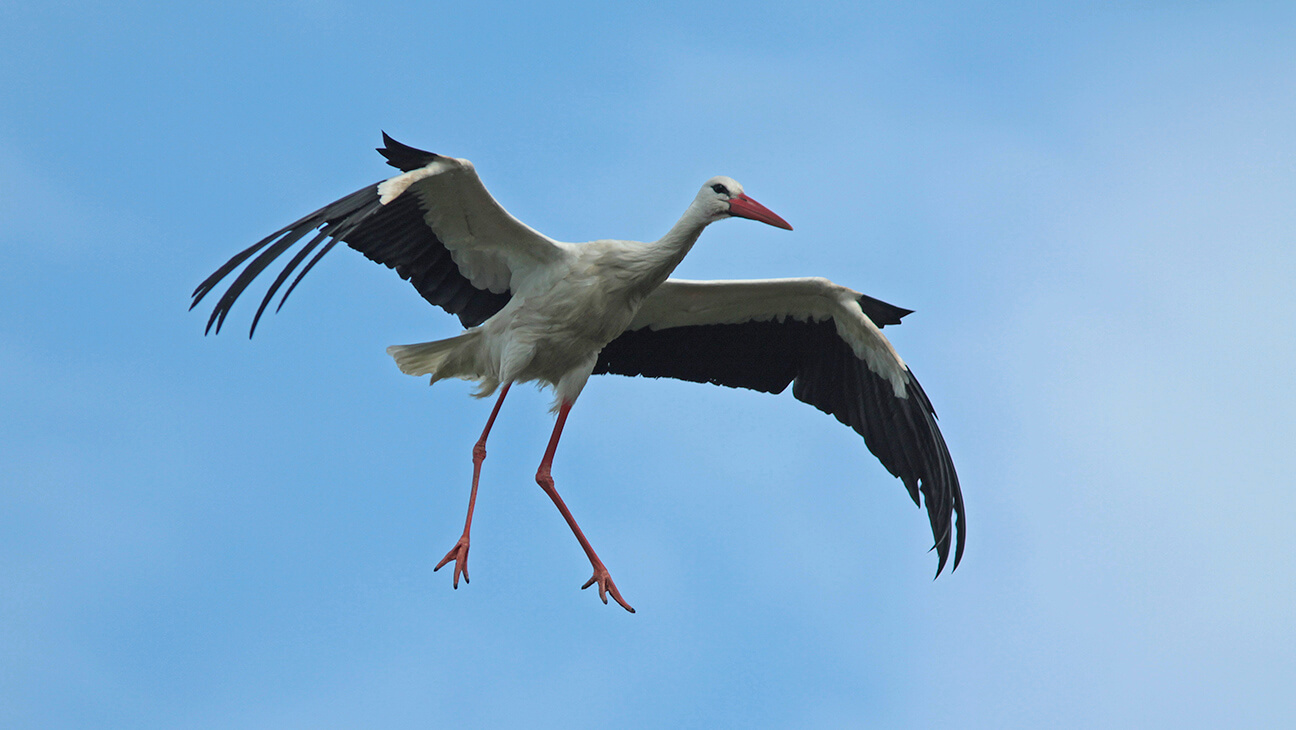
450	358
424	358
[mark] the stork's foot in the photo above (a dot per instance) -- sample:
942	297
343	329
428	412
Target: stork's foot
459	554
606	586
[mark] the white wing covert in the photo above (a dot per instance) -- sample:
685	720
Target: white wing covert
489	245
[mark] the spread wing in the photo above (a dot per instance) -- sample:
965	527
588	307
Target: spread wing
822	338
435	224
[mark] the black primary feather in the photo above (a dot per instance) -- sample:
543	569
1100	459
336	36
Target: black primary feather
402	156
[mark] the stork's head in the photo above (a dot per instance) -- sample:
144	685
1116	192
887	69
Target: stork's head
722	197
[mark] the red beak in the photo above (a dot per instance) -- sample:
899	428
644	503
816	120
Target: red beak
744	207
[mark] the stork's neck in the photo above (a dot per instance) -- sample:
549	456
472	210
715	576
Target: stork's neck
669	250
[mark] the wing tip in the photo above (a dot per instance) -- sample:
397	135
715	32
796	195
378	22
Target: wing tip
946	514
942	547
402	156
881	312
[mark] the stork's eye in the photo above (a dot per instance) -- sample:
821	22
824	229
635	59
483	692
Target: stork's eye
720	189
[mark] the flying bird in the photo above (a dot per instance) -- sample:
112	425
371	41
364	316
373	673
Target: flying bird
540	310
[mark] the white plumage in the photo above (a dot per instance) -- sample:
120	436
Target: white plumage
540	310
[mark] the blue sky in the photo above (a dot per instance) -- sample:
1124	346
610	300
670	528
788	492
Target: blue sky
1090	209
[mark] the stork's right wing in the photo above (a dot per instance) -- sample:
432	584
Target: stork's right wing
435	224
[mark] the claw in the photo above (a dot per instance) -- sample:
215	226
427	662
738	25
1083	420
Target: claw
459	553
606	586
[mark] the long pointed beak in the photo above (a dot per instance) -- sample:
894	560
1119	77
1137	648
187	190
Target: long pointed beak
744	207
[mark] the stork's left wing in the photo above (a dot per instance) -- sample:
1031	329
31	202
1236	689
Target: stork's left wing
826	341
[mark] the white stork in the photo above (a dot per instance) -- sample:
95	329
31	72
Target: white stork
541	310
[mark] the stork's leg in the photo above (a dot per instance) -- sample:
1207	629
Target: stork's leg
546	482
459	553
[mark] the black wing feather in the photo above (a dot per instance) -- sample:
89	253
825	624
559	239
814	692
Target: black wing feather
880	312
394	235
825	373
402	156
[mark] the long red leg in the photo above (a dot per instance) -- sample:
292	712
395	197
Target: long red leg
459	553
546	482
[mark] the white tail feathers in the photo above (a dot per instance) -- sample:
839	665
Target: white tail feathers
431	358
452	358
